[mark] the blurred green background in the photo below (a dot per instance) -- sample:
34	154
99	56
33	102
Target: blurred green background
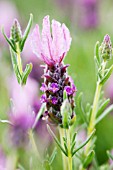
80	56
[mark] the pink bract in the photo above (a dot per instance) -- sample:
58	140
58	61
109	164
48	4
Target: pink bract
51	47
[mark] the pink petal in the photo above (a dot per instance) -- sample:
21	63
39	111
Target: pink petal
36	42
46	38
67	37
58	41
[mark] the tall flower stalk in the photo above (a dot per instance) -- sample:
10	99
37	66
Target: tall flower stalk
58	87
16	43
104	54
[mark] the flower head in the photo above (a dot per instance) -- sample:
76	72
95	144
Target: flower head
51	47
106	48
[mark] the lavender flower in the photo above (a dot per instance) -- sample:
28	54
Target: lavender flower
89	13
24	110
22	123
52	48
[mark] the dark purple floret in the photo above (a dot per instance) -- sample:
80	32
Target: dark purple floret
69	90
56	82
54	100
43	98
54	87
43	87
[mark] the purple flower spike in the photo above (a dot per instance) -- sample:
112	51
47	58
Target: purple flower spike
69	90
44	87
54	87
54	100
43	98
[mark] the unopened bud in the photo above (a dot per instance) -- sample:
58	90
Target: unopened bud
16	33
106	48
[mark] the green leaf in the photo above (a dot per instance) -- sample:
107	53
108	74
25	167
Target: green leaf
88	159
72	146
107	75
8	40
26	32
80	108
26	73
56	140
108	110
15	66
102	107
96	52
74	136
21	167
84	143
109	155
52	157
41	111
96	61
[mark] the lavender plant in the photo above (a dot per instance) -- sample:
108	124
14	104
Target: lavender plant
58	87
58	99
16	43
93	114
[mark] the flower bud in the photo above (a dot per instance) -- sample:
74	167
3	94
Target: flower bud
106	48
16	33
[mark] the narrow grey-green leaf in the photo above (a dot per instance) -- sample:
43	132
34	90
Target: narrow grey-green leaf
84	143
52	157
109	155
80	108
106	112
8	40
107	75
26	32
88	159
102	107
26	73
96	51
72	146
15	66
56	140
21	167
41	111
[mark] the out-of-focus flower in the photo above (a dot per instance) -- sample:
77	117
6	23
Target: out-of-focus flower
2	160
52	48
24	109
21	124
24	97
31	57
88	13
7	13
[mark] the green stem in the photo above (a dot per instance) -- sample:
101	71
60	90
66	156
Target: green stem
34	147
19	58
94	108
64	158
69	149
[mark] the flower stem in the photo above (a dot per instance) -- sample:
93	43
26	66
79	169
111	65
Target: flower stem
19	58
34	147
94	108
69	149
64	158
